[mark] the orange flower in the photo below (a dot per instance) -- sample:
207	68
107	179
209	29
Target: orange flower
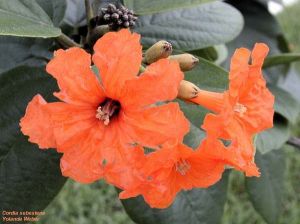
172	169
100	119
242	111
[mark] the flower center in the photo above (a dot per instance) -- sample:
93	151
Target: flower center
240	109
107	110
182	166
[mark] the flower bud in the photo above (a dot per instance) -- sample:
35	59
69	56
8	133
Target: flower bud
187	90
186	61
161	49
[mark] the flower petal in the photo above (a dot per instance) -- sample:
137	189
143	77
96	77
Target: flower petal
259	53
36	123
156	125
159	82
239	69
72	124
260	109
118	56
84	162
78	84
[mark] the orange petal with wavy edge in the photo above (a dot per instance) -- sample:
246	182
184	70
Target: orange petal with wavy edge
159	82
239	69
260	109
84	162
240	153
78	84
118	56
37	124
259	53
71	124
156	125
171	170
124	171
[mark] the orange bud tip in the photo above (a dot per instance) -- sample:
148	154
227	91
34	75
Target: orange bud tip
186	61
161	49
187	90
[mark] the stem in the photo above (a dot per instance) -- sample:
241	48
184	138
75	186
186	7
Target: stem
294	141
66	41
89	13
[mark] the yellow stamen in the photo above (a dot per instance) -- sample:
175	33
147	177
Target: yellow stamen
240	109
182	166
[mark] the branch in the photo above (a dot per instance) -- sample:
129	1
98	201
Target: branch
294	141
66	41
89	13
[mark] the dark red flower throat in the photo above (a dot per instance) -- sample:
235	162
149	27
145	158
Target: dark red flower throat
108	109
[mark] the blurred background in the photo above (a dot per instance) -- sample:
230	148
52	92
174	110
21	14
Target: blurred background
98	203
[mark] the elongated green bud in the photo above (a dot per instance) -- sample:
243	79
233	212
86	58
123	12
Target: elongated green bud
161	49
187	90
186	61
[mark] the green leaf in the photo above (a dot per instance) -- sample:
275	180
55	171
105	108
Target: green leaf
142	7
266	191
275	137
285	103
23	51
291	83
195	206
218	53
55	9
25	18
207	76
260	26
286	58
76	15
194	137
192	28
29	177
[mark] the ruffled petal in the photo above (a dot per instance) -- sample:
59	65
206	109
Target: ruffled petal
71	124
156	125
259	53
239	69
37	124
260	109
83	161
118	56
240	152
78	84
159	82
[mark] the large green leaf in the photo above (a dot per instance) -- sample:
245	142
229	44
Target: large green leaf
260	26
286	58
23	51
25	18
266	192
207	76
76	15
29	177
192	28
285	103
55	9
143	7
275	137
203	206
291	83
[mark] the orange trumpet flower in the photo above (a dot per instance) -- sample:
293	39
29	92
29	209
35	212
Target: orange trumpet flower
99	119
171	169
242	111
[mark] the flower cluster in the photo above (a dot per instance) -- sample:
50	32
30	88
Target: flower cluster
104	122
116	17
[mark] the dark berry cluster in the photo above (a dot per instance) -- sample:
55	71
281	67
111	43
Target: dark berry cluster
116	17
